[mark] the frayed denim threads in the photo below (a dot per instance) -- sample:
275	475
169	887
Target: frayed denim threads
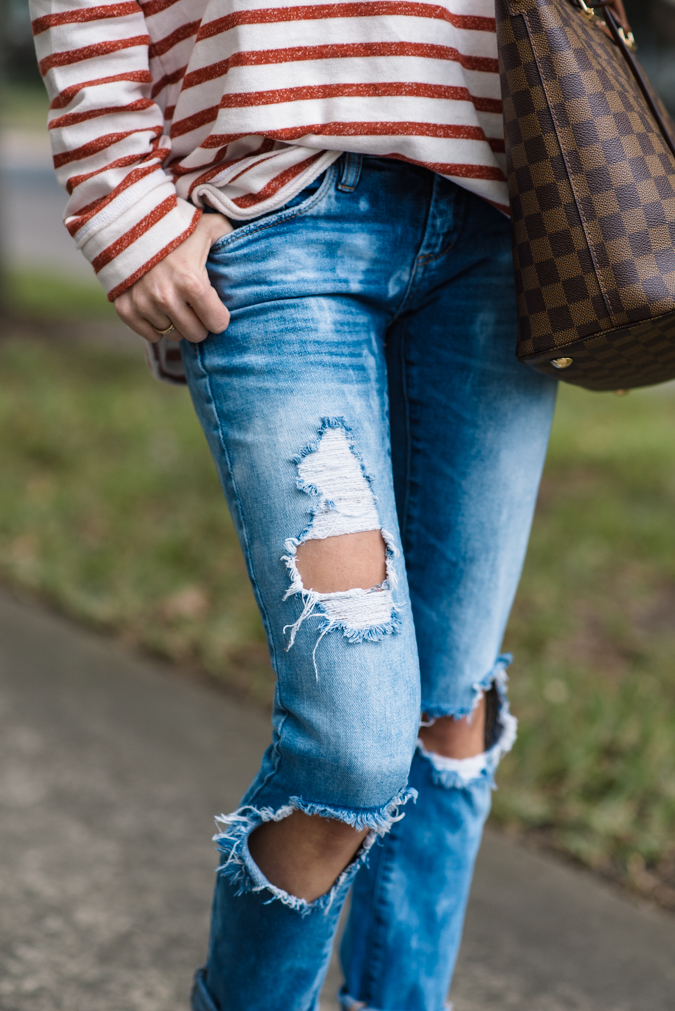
331	472
239	868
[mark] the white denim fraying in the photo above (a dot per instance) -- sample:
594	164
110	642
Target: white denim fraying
359	608
356	609
497	676
361	615
460	772
331	472
240	868
346	502
466	768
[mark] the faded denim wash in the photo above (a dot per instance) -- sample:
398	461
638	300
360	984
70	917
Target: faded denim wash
368	381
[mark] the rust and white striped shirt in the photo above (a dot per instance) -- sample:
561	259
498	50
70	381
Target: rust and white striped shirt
157	104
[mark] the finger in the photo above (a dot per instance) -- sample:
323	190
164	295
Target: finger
157	317
140	312
198	293
165	306
147	331
210	310
161	325
148	313
170	331
131	318
186	322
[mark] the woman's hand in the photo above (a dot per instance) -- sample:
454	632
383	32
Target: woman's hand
177	291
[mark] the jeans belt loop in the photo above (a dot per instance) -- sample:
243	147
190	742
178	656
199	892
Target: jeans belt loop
351	172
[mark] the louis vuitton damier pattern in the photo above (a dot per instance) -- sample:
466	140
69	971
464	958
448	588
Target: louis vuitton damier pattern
592	188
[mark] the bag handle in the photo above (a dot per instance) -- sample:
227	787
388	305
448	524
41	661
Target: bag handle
623	42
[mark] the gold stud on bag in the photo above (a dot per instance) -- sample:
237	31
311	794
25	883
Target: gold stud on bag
591	172
627	37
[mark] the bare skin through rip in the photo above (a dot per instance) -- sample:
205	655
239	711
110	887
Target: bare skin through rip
305	854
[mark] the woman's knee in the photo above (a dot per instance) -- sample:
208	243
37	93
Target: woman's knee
374	777
346	777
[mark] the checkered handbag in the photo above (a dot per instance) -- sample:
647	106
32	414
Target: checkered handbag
591	173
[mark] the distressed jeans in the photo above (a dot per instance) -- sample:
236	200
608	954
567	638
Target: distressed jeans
367	381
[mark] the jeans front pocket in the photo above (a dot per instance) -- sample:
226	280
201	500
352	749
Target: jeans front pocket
305	201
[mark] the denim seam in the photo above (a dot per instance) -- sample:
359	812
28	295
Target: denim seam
276	745
400	309
432	257
420	262
408	447
376	945
420	259
247	552
351	173
280	216
413	273
405	519
364	985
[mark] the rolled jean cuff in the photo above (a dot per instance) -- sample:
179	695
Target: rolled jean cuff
347	1003
200	999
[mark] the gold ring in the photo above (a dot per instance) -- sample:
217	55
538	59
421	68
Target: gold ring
169	329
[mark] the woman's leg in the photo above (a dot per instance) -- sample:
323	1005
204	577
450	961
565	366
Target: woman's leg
293	400
469	433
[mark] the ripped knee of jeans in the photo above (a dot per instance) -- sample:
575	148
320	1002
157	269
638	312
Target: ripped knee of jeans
239	868
500	733
332	474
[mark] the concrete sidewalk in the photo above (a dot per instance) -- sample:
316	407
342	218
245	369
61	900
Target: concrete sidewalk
110	771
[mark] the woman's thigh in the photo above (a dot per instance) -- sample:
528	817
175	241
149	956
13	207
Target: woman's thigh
470	428
293	401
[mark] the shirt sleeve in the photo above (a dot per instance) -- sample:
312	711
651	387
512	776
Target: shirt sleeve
108	138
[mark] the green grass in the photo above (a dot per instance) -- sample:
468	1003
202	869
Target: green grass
23	106
50	297
110	508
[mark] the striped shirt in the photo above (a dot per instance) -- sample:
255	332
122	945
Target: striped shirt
160	105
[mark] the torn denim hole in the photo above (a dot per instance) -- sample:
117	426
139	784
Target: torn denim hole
331	472
463	772
240	868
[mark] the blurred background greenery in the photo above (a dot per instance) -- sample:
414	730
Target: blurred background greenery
110	509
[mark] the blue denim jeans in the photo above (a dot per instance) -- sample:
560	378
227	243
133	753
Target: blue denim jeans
367	381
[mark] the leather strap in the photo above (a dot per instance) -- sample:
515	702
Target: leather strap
613	26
